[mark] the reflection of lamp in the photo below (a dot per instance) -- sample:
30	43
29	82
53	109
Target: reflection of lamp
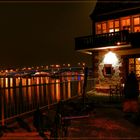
110	58
118	43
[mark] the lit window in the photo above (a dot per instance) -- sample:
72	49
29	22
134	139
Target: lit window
98	28
117	29
134	65
111	26
111	30
136	23
110	23
116	23
104	27
137	29
125	22
136	20
128	22
131	23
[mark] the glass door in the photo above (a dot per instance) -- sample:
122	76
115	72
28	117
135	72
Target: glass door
134	65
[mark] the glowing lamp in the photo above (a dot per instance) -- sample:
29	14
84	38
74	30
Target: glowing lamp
118	43
138	59
110	58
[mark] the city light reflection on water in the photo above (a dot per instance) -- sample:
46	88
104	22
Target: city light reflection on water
25	94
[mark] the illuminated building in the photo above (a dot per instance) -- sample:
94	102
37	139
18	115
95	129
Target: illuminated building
115	41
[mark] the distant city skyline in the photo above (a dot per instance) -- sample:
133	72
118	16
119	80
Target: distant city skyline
37	33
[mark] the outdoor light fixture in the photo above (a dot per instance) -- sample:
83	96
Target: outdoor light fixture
110	58
138	60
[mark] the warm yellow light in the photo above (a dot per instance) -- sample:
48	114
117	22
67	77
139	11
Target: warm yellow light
68	65
111	30
83	64
110	58
118	43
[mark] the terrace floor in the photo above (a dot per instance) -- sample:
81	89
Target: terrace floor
104	121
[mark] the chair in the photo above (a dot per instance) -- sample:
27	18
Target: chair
115	92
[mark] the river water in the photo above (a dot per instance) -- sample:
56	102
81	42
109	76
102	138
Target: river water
21	95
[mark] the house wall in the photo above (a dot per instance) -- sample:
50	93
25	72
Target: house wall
120	69
115	77
103	82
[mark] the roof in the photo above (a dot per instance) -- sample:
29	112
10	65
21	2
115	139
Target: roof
113	8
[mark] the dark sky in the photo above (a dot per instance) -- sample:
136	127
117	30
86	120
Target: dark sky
42	33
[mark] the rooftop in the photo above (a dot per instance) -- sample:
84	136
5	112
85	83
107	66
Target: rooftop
114	7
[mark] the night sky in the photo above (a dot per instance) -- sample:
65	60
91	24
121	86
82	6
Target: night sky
42	33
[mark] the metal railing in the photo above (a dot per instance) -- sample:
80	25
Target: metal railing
24	99
101	40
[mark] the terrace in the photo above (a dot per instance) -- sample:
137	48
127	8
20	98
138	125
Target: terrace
118	39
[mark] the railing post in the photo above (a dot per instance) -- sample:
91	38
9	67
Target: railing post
2	108
85	84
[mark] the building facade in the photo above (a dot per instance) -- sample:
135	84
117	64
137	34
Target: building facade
114	43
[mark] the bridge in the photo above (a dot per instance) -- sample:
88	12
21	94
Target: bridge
40	71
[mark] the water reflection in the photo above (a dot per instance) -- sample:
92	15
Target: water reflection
25	94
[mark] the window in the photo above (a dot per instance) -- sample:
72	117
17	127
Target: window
131	23
104	27
137	67
111	26
125	23
134	65
136	20
131	64
98	28
107	70
117	25
137	29
136	23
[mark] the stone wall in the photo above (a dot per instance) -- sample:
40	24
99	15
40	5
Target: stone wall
105	81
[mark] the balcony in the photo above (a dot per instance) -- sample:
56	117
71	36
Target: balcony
102	41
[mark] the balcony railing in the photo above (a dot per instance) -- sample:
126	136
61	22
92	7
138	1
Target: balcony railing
107	39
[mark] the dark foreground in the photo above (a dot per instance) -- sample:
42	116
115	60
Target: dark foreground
103	120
